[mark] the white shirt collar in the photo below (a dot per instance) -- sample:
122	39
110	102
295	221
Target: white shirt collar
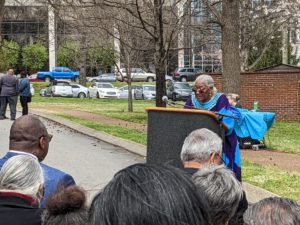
23	153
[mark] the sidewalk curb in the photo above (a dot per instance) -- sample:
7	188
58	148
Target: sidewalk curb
130	146
253	193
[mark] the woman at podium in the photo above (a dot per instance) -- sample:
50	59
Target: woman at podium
206	97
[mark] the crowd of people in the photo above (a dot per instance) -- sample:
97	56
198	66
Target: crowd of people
204	192
10	88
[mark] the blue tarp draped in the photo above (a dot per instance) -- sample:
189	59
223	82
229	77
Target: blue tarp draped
248	123
253	124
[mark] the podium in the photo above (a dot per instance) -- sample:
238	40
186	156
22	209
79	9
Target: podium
168	127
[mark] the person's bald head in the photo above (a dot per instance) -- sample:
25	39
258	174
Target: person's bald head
29	134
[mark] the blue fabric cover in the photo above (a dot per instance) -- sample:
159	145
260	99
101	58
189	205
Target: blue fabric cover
253	124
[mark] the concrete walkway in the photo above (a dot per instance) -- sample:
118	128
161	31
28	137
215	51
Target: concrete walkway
253	193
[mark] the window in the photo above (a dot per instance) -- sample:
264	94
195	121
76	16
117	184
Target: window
139	71
62	84
105	86
75	86
18	28
57	69
149	88
32	28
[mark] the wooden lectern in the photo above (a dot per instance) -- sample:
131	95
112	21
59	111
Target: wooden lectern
168	127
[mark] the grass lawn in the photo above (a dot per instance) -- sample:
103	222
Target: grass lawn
125	133
280	182
283	136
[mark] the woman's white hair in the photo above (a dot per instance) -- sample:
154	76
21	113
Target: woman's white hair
206	79
200	144
22	174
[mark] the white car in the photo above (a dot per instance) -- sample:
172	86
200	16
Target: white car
103	90
137	74
124	91
79	91
145	92
58	88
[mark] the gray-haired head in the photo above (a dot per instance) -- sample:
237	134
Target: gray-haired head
222	191
199	145
206	79
22	174
273	211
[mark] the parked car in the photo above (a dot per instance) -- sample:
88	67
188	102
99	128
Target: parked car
59	73
124	91
32	90
105	77
186	74
103	90
145	92
79	91
168	77
137	74
179	91
58	89
33	78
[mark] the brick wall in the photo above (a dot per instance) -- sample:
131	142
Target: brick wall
277	92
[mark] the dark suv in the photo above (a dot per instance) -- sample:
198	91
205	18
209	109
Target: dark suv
186	74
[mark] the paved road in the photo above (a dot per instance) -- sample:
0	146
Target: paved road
91	162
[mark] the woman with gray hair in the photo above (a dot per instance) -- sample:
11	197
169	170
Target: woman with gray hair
273	211
206	97
222	191
21	191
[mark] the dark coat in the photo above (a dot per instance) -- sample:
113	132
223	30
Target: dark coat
9	85
18	209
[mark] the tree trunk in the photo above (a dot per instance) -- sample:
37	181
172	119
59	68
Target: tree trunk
2	3
82	61
230	47
160	53
128	73
285	44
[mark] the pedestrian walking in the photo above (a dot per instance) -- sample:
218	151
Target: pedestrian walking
9	86
24	90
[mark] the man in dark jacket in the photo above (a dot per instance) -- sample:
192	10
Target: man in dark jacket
29	136
9	86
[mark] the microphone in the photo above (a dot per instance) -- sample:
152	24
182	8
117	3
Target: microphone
165	99
172	103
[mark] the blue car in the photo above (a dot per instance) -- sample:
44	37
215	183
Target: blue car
59	73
